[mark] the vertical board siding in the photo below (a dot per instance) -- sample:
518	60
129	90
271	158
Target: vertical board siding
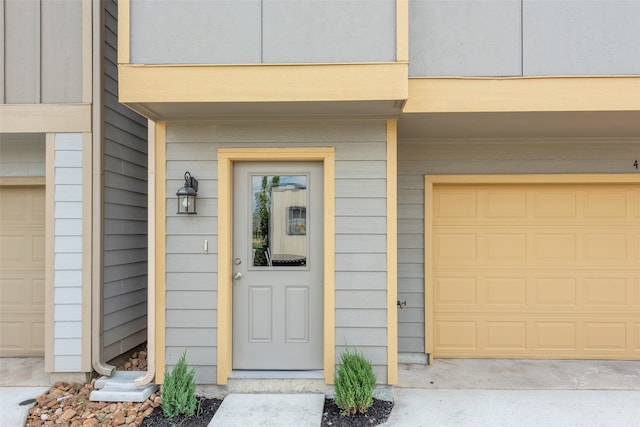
360	251
578	38
125	209
523	38
61	51
262	31
42	52
336	31
67	340
465	38
435	156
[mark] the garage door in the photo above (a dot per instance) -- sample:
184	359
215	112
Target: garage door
533	269
22	241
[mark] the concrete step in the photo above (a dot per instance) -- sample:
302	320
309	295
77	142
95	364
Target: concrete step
120	387
278	382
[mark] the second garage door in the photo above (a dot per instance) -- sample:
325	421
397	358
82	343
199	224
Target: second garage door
22	241
533	266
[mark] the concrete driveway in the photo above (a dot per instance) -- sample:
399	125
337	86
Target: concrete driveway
550	393
452	392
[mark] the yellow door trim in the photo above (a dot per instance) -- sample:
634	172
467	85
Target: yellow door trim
392	251
620	178
49	273
431	180
226	158
160	247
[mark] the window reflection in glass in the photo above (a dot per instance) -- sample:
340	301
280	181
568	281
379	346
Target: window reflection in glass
279	220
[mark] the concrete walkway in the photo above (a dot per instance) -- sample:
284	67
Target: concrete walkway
551	393
277	410
21	379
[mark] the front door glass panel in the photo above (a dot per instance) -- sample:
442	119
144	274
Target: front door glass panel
279	225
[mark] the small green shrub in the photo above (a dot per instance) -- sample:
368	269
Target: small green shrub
179	390
354	383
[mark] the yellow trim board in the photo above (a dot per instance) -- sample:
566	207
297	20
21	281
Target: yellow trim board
262	82
87	248
42	118
49	274
457	95
392	252
402	30
428	268
160	248
124	31
226	158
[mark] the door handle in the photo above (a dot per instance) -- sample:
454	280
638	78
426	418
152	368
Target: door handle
237	275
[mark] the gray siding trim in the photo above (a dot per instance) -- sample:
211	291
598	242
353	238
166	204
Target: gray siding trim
125	209
360	241
478	156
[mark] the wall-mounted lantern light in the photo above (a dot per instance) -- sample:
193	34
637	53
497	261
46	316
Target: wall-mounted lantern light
187	195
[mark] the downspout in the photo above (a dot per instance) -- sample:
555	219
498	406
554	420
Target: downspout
151	257
97	115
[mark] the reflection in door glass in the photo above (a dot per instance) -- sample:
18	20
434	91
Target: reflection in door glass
279	220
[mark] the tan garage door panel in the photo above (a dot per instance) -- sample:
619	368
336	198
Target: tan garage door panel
22	271
536	270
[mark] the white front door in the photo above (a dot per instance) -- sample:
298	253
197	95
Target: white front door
277	266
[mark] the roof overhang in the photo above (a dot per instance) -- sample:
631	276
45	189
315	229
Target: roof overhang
596	106
163	92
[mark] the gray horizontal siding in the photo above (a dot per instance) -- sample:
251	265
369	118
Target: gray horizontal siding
419	157
68	253
361	315
124	210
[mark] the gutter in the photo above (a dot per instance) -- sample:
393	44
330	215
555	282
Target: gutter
97	284
97	211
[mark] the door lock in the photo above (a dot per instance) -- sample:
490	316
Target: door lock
237	275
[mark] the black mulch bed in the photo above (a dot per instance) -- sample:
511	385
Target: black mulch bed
376	414
207	408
